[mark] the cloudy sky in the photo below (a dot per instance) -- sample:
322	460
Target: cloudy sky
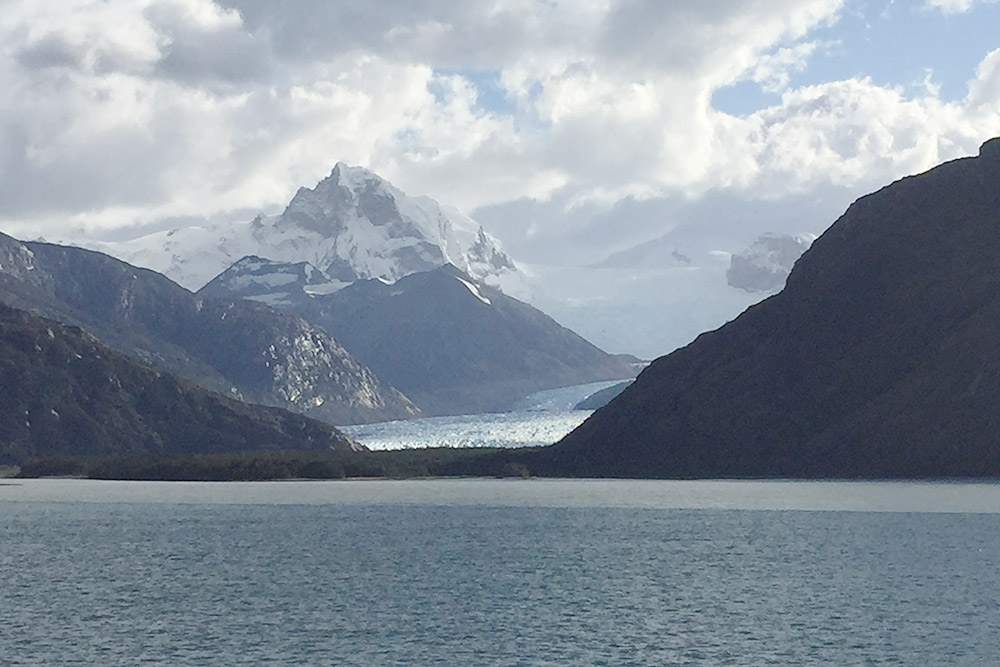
570	128
596	124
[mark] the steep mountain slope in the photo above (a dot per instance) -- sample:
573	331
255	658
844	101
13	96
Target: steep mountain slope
451	343
66	393
237	347
352	225
878	359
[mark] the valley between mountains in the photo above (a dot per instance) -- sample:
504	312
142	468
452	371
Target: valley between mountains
877	359
358	304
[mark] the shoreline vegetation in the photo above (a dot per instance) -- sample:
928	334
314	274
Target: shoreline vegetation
278	465
396	464
423	463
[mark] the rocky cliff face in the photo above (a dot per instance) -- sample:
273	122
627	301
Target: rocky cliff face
239	348
64	393
878	359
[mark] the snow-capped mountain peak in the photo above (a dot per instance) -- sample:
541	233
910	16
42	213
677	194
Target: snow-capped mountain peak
352	225
358	225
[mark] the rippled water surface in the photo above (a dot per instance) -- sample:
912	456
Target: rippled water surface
499	573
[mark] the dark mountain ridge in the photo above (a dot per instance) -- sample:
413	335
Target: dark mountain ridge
878	359
451	343
239	348
65	393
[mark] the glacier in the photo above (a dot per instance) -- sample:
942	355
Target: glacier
538	419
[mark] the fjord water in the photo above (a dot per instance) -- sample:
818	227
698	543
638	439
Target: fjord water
498	572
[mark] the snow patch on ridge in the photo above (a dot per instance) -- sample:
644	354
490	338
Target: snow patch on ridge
267	280
322	289
475	291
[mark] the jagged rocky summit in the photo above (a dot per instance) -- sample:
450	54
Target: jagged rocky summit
65	393
878	359
239	348
352	225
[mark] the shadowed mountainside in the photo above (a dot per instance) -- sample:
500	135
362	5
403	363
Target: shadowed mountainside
879	358
239	348
65	393
450	343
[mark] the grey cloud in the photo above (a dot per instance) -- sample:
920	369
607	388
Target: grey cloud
49	51
723	220
647	30
305	30
207	61
695	37
188	54
54	52
470	34
195	56
107	170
